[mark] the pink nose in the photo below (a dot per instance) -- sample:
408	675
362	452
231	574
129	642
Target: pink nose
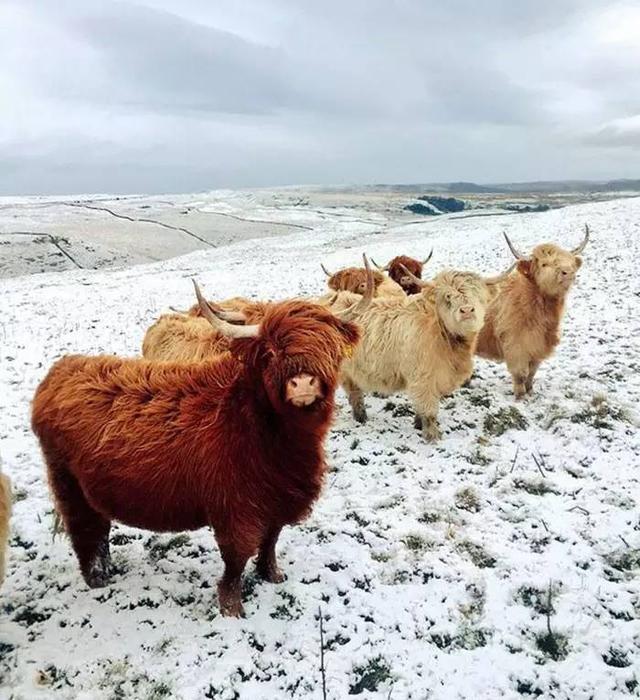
303	390
466	311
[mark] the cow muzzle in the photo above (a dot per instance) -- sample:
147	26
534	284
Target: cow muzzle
467	313
303	390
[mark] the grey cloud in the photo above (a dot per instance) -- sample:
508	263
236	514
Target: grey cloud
168	94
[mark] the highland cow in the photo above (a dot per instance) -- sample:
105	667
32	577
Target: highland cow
181	338
235	443
423	345
354	279
396	269
522	324
5	514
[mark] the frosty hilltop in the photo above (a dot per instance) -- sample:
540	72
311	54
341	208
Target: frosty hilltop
453	437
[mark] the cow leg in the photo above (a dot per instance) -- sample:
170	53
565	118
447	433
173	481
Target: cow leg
267	564
519	370
418	421
533	368
87	529
356	400
230	585
426	412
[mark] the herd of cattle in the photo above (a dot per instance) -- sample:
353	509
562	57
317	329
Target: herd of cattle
222	422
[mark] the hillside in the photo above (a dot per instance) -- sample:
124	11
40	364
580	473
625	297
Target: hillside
502	562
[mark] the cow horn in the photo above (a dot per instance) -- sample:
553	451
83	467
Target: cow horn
382	269
585	240
326	272
352	313
178	311
516	254
222	326
500	278
231	316
426	260
413	278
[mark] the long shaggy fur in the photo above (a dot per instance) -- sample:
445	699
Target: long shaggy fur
5	515
168	446
180	338
416	346
522	325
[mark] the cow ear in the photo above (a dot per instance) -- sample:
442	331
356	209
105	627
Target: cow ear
350	332
524	267
578	260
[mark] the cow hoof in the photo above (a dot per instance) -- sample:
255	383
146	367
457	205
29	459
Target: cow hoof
97	579
431	434
231	607
360	416
272	575
417	422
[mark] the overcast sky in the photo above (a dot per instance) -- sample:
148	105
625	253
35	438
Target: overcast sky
186	95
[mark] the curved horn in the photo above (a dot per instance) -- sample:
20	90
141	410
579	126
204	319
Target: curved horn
326	272
382	269
413	278
231	316
426	260
516	254
178	311
500	278
352	313
585	240
223	327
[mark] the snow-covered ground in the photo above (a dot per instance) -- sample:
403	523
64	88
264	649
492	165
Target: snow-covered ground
503	562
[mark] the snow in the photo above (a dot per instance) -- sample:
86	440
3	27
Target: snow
431	565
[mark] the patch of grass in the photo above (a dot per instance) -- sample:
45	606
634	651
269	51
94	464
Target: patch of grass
429	517
504	419
536	487
555	645
158	549
158	690
466	498
289	610
479	400
474	609
478	457
30	616
381	557
370	676
416	543
120	538
19	495
622	564
352	515
535	598
470	637
600	414
53	677
616	658
338	640
527	688
478	555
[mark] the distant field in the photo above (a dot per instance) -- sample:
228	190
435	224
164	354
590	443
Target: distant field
41	234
